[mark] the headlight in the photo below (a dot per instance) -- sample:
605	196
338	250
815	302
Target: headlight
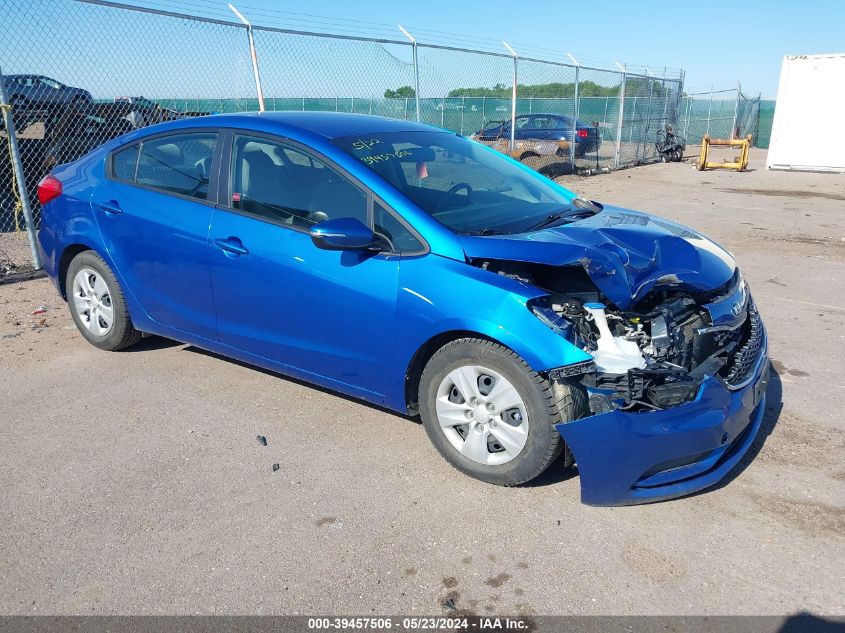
543	311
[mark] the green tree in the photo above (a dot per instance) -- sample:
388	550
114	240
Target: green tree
555	90
404	92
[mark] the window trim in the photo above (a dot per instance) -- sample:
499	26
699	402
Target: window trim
224	192
211	199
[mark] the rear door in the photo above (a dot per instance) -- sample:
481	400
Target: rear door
325	313
541	126
154	211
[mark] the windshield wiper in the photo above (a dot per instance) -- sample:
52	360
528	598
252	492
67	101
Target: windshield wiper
484	231
570	213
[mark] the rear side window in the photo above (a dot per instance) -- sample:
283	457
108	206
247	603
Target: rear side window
180	163
124	163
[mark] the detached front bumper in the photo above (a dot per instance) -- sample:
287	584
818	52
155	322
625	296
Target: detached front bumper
629	458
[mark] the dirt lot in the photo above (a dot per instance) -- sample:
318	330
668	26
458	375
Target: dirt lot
133	482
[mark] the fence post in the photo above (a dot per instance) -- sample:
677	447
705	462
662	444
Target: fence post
254	57
20	176
621	115
644	138
416	69
757	119
681	95
633	114
513	98
709	110
736	109
575	111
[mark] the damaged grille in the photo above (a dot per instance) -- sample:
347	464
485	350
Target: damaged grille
745	359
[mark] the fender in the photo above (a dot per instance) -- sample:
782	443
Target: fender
500	313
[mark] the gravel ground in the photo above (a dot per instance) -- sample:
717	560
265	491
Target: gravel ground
133	483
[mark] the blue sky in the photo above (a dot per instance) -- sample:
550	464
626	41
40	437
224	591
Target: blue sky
113	52
677	34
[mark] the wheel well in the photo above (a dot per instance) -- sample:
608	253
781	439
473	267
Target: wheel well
64	263
421	358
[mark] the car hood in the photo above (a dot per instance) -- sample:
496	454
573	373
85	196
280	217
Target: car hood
627	254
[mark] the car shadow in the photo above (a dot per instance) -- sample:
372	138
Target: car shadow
557	473
151	344
554	170
303	383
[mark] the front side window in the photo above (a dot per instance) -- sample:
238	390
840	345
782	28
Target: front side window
179	163
397	235
462	184
283	184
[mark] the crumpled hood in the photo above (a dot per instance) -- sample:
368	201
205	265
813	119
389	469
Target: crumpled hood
627	254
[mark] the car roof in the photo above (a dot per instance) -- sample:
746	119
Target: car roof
326	124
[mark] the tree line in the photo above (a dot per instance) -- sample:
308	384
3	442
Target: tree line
635	86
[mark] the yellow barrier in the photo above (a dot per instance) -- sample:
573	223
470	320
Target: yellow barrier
743	143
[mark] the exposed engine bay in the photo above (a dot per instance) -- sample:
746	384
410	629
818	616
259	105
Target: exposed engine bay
651	357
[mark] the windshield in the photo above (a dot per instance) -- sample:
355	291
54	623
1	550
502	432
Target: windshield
462	184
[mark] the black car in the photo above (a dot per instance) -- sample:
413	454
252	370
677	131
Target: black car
545	127
76	131
41	91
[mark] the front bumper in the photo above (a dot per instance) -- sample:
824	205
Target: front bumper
629	458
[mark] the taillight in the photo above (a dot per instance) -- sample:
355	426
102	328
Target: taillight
49	188
582	133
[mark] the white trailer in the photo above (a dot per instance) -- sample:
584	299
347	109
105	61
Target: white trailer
808	132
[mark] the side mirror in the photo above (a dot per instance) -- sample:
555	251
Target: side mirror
343	234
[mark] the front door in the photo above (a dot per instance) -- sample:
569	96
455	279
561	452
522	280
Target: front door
324	313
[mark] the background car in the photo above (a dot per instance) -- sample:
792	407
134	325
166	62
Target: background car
544	127
143	111
76	131
38	90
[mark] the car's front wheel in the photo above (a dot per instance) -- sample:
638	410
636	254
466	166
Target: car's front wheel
97	304
490	415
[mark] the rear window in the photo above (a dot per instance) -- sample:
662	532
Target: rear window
124	162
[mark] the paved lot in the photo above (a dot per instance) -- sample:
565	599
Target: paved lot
133	482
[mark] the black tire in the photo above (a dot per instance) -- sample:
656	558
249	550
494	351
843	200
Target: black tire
122	333
526	155
546	405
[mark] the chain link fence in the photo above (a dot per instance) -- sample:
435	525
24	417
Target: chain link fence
77	73
723	114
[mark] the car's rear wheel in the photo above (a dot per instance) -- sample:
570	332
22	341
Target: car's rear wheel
489	414
97	304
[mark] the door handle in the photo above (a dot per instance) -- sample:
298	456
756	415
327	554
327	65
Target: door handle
112	207
231	246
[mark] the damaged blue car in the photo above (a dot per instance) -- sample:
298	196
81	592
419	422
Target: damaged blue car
419	270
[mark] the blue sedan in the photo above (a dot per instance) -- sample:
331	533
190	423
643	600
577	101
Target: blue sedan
419	270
